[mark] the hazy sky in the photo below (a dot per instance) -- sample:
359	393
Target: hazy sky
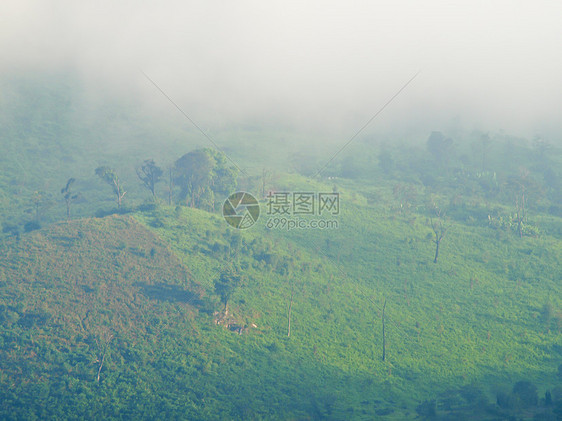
490	65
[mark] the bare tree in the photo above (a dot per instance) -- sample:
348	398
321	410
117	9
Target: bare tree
520	192
525	190
266	177
383	332
110	177
170	187
440	228
69	196
290	308
102	342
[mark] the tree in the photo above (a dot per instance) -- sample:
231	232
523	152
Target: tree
41	202
440	147
69	196
525	394
481	149
266	177
225	176
383	332
440	228
102	337
228	281
11	229
150	174
523	188
290	307
386	163
170	186
201	175
193	174
110	177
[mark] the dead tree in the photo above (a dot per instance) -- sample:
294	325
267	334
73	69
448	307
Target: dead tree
109	176
383	333
520	186
170	188
265	179
289	310
102	346
69	196
440	228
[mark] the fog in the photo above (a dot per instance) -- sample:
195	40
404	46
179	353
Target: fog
318	65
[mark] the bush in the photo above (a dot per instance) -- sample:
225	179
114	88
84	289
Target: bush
31	226
10	229
525	393
427	408
505	400
156	223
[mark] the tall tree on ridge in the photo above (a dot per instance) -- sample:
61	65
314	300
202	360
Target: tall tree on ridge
110	177
69	196
149	173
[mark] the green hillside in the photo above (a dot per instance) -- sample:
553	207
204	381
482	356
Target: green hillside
154	310
144	296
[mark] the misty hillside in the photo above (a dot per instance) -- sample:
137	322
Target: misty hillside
280	210
145	297
134	289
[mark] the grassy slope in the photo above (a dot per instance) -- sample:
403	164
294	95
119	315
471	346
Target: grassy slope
475	317
65	288
443	332
153	291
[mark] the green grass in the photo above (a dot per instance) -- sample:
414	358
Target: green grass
487	315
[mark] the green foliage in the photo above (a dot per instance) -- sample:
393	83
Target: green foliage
203	173
440	148
132	298
150	174
109	176
228	281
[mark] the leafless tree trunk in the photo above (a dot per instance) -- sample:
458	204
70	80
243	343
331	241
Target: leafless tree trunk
101	366
120	195
266	178
170	188
440	229
437	241
289	310
383	332
520	207
103	345
520	213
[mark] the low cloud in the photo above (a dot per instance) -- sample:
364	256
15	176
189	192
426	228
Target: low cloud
314	65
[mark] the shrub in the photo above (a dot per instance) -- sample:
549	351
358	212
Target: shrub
525	393
31	226
427	408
